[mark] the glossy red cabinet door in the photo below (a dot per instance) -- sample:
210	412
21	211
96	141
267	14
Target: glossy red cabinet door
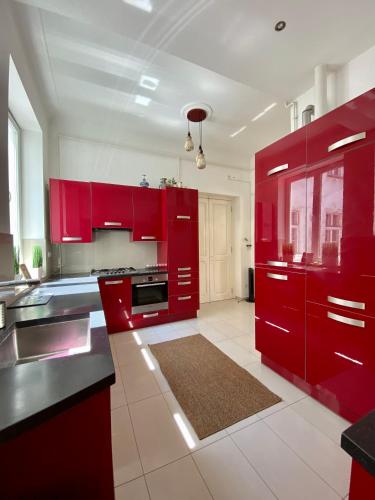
147	206
70	211
281	157
348	126
112	206
116	298
340	358
342	231
182	204
185	303
280	318
183	286
280	215
182	247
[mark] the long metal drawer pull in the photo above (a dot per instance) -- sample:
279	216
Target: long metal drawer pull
346	303
347	321
188	297
148	237
187	217
184	269
150	315
184	276
347	140
280	168
150	284
113	223
277	263
281	277
184	283
72	238
117	282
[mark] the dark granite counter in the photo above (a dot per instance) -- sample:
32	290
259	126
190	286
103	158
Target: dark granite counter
359	441
138	272
35	391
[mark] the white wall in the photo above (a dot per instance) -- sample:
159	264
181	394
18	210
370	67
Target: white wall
91	160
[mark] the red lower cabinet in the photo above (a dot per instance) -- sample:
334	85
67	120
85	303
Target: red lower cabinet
183	286
184	303
280	318
340	359
116	298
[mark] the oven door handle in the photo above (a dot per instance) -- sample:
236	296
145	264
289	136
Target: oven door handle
150	284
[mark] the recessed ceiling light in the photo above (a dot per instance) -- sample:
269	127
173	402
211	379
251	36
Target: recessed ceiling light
262	113
142	100
148	82
280	26
144	5
238	131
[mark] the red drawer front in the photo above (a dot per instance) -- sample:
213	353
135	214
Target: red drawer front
183	303
116	299
182	204
343	123
183	275
340	356
148	318
183	286
280	317
112	206
281	157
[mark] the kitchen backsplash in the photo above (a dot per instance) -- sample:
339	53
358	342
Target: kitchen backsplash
109	249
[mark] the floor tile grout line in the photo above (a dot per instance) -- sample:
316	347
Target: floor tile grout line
302	459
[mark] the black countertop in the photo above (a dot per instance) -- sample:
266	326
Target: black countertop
138	272
35	391
359	441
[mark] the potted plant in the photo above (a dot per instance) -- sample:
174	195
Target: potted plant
16	262
38	260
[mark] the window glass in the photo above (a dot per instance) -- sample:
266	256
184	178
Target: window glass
13	167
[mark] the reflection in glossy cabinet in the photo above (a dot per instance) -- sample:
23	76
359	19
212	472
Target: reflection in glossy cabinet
280	317
116	298
147	208
112	206
70	211
340	358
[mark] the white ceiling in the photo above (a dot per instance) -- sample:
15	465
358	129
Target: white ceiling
92	53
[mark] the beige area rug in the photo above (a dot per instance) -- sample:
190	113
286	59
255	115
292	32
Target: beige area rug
213	390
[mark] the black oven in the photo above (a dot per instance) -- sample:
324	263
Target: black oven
149	293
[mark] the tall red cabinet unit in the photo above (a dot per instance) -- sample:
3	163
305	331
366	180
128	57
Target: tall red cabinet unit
315	257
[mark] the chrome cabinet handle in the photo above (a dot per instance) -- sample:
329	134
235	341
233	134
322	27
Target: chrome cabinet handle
346	303
280	168
281	277
184	269
113	223
347	321
150	284
148	237
150	315
277	263
187	297
183	283
72	238
347	140
187	217
184	276
116	282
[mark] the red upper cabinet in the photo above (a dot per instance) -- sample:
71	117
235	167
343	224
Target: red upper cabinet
348	126
70	211
147	210
112	206
182	204
282	156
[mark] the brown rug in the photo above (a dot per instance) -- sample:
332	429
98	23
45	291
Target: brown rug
213	390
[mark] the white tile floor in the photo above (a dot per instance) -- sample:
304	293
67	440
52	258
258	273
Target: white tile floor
289	451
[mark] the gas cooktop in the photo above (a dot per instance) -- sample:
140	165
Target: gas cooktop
115	270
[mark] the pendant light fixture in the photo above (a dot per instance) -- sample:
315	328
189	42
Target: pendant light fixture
189	144
200	159
196	113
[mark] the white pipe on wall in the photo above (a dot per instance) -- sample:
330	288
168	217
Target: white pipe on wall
320	80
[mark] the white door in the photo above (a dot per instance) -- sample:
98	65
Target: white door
215	249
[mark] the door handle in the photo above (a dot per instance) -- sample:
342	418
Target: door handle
275	170
184	283
281	277
113	224
187	297
346	140
346	303
148	237
187	217
184	269
347	321
153	315
277	263
72	238
184	276
150	284
117	282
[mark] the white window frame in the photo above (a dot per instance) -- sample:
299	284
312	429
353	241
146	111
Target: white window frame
18	182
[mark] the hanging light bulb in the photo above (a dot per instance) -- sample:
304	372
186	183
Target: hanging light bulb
200	159
189	145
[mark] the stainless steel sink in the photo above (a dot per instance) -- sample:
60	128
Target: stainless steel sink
45	341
